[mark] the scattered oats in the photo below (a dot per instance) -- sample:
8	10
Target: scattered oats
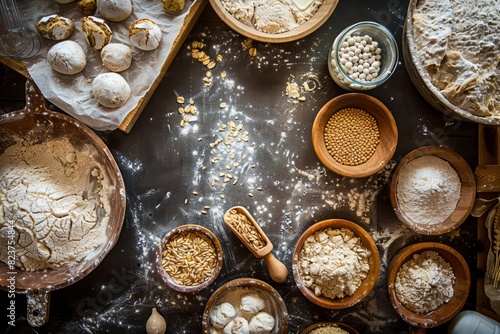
223	105
250	195
301	98
222	196
200	139
259	189
181	110
247	43
203	212
186	201
223	74
211	65
209	74
195	193
219	57
207	81
236	164
252	52
180	99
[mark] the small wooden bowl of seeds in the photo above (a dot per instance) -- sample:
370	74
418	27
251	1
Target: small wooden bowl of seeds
189	258
354	135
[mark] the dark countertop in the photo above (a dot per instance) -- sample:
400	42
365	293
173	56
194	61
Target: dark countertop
162	162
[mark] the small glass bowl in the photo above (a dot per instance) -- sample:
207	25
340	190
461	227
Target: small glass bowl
388	61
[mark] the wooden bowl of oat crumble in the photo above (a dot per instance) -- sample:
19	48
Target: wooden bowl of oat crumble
352	263
416	293
189	258
320	16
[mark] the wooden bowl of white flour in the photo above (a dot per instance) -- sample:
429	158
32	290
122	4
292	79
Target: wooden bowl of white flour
428	283
432	190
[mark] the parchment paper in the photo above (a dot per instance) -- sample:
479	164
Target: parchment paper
72	93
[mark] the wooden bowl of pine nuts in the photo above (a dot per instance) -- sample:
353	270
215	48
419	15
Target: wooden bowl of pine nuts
354	135
189	258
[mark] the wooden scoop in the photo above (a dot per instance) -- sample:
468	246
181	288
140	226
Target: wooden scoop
277	270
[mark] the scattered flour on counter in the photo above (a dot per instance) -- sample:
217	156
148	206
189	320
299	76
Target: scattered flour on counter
50	198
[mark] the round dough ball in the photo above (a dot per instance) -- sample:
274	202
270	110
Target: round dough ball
145	34
115	10
87	7
261	323
97	33
238	325
116	57
55	27
111	90
67	57
252	303
221	315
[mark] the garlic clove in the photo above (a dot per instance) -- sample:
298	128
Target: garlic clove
156	323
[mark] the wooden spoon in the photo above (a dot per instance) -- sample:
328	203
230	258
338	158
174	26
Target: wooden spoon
277	270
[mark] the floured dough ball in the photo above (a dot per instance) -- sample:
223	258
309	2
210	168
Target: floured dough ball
115	10
252	303
173	6
145	34
67	57
238	325
87	7
55	27
111	90
96	31
222	314
116	57
261	323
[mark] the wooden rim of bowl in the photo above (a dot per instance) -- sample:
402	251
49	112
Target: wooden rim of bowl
367	284
445	312
317	20
166	277
387	128
279	305
467	190
341	325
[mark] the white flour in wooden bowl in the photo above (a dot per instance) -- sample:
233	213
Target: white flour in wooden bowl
270	16
428	190
50	196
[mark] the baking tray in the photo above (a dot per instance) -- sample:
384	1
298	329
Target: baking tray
129	121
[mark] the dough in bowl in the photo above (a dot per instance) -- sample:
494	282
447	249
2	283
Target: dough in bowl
111	90
145	34
67	57
116	57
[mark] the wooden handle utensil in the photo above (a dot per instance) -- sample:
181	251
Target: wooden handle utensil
244	226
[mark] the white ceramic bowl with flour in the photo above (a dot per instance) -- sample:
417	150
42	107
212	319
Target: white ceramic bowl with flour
432	190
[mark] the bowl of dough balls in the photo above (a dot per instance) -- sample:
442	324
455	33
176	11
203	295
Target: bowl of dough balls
354	135
335	263
363	56
428	283
432	190
189	258
274	21
245	306
329	327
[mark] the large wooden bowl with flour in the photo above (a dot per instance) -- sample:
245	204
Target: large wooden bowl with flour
444	312
466	193
35	124
366	285
320	16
